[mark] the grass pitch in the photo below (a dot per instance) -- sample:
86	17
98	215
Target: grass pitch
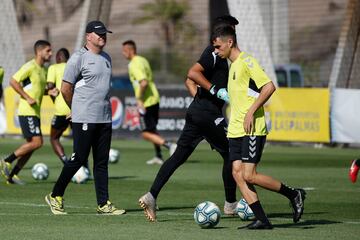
332	207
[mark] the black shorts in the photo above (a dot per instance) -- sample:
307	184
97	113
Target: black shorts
247	149
149	120
206	125
30	126
60	122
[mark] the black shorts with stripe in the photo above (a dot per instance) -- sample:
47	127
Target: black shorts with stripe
248	149
149	120
60	122
30	126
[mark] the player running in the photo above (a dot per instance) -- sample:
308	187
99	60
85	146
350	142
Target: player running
204	120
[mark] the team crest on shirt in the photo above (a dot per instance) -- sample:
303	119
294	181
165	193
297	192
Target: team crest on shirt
234	76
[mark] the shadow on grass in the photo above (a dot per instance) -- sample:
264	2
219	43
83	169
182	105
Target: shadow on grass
306	224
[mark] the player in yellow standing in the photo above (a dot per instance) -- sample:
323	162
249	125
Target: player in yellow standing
147	98
29	82
249	88
61	119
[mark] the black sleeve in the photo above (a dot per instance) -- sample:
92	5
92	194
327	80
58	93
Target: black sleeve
207	59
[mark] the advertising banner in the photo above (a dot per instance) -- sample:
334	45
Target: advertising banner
297	114
173	105
345	121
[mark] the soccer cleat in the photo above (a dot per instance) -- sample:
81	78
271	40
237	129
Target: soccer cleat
172	148
258	225
297	204
15	180
155	160
353	171
109	209
56	204
230	208
5	168
148	203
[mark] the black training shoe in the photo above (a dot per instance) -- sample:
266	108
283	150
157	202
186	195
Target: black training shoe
257	224
297	204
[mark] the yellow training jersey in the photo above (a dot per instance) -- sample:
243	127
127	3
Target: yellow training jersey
55	75
1	75
139	69
246	77
32	77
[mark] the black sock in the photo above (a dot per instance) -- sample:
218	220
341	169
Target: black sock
288	192
357	162
10	158
259	212
167	144
158	151
15	171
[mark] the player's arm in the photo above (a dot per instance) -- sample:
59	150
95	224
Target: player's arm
265	93
191	86
67	92
195	73
20	90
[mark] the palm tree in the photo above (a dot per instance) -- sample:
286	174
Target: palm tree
170	14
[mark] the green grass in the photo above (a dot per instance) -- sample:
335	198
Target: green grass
332	209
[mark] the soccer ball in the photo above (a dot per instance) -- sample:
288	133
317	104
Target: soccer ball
207	214
114	155
81	176
40	171
244	211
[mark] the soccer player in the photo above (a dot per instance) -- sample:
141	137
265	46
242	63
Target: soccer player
204	120
29	82
61	119
147	99
86	90
249	88
1	81
354	170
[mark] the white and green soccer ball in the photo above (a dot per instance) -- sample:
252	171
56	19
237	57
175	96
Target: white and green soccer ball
114	155
207	214
81	176
40	171
244	211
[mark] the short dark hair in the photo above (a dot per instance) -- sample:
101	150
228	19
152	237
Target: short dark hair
63	53
225	31
131	43
227	19
40	44
223	21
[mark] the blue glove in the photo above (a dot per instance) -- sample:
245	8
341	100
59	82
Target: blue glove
220	93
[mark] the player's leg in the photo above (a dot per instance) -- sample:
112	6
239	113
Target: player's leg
82	140
148	123
354	170
252	151
189	139
101	141
247	189
31	129
13	176
213	128
58	126
83	136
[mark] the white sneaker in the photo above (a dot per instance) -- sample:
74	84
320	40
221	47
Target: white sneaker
230	208
148	203
172	148
155	160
